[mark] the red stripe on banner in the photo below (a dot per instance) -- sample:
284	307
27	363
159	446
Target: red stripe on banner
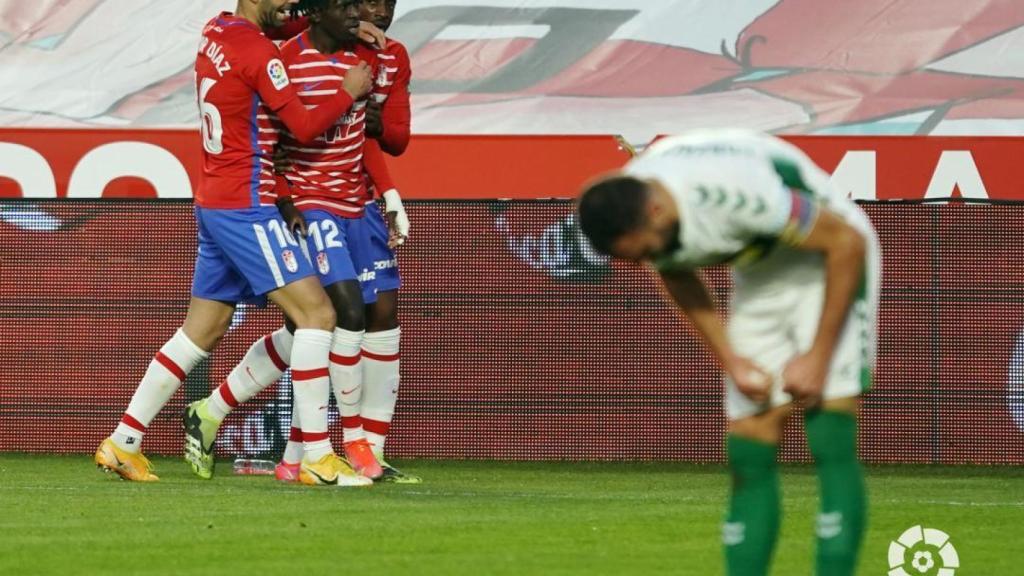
376	426
351	421
170	365
268	343
129	421
295	435
313	436
227	395
344	360
382	357
313	374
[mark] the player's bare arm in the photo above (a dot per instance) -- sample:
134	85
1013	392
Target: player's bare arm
844	250
374	122
689	292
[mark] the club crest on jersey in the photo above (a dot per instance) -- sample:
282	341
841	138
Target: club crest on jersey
322	263
382	76
290	263
278	76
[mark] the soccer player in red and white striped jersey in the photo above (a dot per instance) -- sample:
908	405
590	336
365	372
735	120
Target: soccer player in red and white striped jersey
388	125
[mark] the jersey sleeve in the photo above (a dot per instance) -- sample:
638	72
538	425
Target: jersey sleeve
774	211
396	114
376	167
289	29
269	77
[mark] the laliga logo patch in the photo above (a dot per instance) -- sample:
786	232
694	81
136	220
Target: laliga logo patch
289	260
923	552
276	71
322	263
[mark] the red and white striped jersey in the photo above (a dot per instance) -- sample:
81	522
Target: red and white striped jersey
239	80
327	174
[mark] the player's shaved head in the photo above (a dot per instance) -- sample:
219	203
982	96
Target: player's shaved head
628	218
264	13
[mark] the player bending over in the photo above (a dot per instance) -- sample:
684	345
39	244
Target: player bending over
245	247
328	187
806	265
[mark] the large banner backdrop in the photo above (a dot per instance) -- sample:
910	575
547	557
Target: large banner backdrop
518	343
637	68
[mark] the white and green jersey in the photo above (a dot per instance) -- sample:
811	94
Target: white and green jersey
740	194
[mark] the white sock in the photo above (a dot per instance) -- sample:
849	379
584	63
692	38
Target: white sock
262	365
381	360
312	385
164	375
347	381
293	450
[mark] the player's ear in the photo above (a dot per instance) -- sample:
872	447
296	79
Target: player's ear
654	202
652	208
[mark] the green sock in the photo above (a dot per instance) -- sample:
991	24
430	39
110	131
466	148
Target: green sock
752	527
832	437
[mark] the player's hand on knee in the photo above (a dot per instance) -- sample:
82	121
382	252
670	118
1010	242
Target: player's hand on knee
750	379
804	378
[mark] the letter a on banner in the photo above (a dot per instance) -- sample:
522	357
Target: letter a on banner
956	170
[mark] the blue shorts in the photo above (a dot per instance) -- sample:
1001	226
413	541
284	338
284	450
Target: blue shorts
375	261
244	254
330	244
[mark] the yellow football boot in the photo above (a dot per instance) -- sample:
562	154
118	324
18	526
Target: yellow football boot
134	467
331	470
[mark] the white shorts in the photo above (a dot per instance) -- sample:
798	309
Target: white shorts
775	312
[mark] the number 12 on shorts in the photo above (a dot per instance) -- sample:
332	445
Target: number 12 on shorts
327	238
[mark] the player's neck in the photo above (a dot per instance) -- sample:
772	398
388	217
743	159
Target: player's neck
247	11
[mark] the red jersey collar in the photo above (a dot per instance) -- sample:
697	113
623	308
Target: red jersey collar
229	19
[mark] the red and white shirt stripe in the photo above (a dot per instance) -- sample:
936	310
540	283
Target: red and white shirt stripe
327	174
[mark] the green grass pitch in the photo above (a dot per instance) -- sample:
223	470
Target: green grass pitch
59	515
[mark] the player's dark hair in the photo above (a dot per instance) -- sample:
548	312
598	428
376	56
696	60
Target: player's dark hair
610	208
304	7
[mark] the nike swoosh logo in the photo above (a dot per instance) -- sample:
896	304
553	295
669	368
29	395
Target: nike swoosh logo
308	87
321	478
347	392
